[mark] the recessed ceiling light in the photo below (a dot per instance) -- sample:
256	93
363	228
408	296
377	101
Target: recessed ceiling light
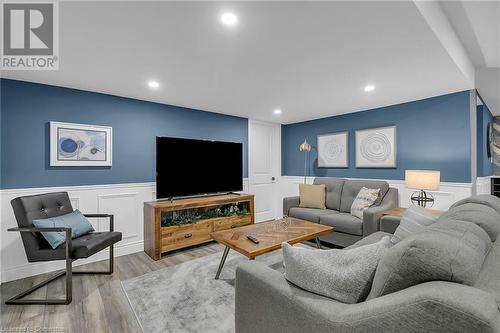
369	88
277	111
229	18
153	84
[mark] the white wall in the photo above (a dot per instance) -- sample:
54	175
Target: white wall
125	201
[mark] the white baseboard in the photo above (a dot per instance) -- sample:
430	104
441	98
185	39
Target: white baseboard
125	201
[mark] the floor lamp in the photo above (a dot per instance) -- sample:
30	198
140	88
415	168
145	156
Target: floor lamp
305	148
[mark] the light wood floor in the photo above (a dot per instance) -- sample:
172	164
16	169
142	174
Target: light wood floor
99	302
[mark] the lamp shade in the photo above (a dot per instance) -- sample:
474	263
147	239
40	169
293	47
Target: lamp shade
422	179
305	147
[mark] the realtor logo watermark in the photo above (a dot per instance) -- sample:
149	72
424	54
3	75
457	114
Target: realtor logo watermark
30	35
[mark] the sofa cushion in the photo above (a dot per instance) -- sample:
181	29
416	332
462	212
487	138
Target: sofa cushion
488	277
483	215
309	214
483	199
343	222
333	190
414	220
344	275
351	189
447	251
389	223
312	196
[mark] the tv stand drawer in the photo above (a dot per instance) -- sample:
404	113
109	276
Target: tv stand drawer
178	237
233	222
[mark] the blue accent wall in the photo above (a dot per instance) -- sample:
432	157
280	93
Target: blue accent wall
433	133
484	165
26	109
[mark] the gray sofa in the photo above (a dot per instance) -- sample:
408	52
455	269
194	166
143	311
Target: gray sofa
340	194
267	302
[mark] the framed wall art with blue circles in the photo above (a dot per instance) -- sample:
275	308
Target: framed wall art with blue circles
80	145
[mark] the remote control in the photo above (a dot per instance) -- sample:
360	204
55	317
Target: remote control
253	239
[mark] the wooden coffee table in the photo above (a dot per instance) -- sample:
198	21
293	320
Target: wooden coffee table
270	235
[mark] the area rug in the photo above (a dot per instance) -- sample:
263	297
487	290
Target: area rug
187	298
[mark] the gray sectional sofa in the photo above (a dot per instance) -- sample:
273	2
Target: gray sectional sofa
267	302
340	194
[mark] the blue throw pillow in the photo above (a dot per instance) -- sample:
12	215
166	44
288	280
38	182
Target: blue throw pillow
76	221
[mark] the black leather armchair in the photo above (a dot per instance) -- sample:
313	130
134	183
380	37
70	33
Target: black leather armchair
29	208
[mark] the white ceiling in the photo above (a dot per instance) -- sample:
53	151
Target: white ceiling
311	59
488	85
477	23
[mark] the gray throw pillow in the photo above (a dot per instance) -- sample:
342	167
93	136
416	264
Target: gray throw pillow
446	251
344	275
414	220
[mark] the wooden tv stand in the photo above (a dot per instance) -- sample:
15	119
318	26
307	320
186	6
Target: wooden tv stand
172	225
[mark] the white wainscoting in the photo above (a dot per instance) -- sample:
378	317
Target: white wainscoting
125	201
483	185
444	198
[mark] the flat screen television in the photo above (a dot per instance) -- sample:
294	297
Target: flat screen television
187	167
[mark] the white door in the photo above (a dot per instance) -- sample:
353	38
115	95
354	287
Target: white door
264	167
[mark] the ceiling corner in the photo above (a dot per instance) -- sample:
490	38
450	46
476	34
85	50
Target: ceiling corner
439	23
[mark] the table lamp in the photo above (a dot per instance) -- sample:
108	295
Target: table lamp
422	180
